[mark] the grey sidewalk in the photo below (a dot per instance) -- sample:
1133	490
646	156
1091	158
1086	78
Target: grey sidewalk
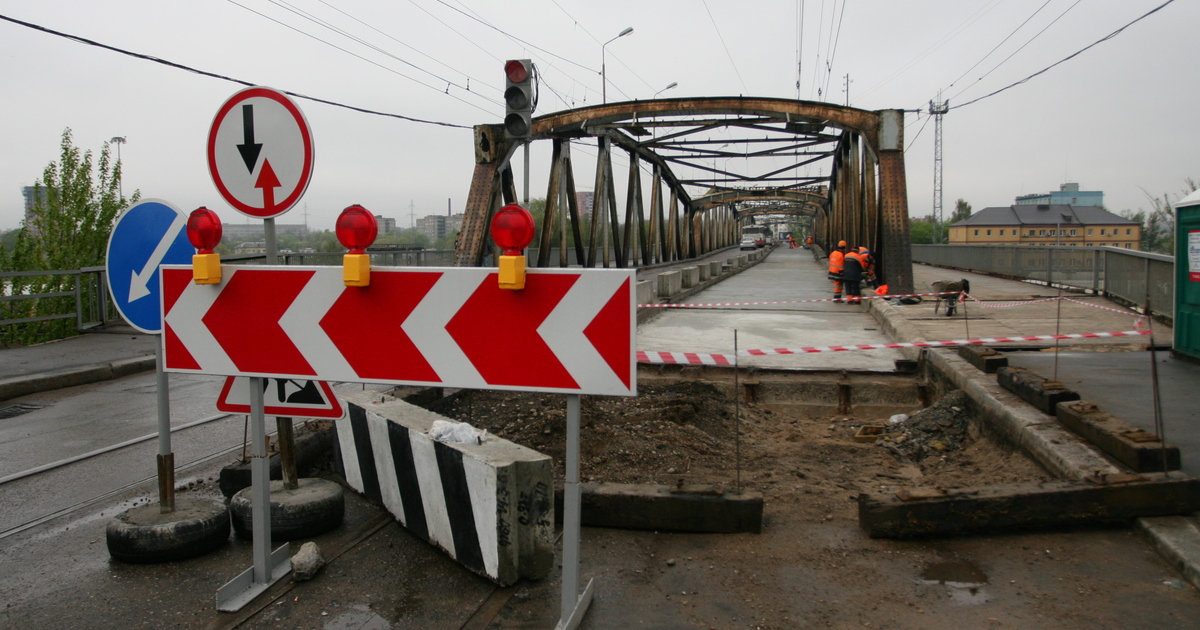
86	358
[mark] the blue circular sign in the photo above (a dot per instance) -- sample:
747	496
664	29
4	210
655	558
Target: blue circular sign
150	234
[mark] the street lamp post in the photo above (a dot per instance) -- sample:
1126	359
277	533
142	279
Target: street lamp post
119	140
603	76
673	85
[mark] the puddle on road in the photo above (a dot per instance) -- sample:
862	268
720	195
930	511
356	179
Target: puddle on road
964	580
359	617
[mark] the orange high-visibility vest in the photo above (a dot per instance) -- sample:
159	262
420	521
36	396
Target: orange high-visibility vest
837	262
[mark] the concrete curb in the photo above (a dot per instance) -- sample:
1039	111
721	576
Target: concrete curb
1062	452
47	381
1177	539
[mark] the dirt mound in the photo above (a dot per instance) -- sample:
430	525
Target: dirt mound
936	430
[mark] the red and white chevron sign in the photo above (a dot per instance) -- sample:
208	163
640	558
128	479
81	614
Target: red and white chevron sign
568	331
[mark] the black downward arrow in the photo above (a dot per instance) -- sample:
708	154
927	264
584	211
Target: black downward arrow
249	149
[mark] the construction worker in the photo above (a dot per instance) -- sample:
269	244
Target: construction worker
808	243
853	267
837	262
868	260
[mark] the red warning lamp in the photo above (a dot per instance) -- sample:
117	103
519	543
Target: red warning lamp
512	230
356	229
204	233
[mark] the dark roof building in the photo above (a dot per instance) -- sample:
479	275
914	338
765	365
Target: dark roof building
1046	224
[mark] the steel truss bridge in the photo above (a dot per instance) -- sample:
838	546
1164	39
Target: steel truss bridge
723	161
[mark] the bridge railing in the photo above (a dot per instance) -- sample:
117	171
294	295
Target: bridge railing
1125	275
37	306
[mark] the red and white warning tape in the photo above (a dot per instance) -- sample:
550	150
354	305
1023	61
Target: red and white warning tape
865	297
697	358
1049	299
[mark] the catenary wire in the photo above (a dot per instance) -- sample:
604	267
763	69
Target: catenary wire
1022	47
1002	42
618	59
829	57
725	46
549	63
974	17
179	66
410	47
1070	57
356	55
344	33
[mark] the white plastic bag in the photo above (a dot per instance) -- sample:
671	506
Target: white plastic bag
451	432
898	418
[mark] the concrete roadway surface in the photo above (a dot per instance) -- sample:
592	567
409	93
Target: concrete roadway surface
786	275
57	573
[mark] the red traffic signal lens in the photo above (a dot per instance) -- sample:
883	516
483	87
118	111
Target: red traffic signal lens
516	71
512	229
204	230
356	229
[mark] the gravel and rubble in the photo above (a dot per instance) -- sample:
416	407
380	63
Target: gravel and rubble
938	429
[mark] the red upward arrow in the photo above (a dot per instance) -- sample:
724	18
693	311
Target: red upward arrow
268	182
609	333
497	331
244	320
365	324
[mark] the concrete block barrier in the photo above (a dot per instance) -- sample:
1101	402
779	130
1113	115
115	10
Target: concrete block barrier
705	271
1035	390
1126	443
489	506
645	292
691	277
714	268
669	283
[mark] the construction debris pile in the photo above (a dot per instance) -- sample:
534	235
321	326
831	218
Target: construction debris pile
934	431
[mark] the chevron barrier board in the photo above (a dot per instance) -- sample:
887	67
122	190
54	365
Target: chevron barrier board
569	331
489	506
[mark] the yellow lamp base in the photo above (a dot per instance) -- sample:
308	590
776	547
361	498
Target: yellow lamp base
356	270
512	272
206	268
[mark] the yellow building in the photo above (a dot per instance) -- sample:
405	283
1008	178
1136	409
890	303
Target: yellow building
1084	226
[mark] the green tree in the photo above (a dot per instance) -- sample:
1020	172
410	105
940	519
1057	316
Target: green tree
76	203
920	230
962	210
1158	223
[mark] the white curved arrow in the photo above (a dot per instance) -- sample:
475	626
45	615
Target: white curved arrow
138	288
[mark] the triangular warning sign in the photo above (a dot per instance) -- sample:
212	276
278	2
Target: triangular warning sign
282	397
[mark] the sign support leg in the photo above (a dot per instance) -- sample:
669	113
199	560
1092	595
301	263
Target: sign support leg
268	565
166	459
574	605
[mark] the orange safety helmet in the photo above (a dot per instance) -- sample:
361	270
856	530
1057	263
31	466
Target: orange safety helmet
882	290
841	243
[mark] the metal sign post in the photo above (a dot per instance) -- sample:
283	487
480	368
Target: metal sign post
574	605
166	459
268	566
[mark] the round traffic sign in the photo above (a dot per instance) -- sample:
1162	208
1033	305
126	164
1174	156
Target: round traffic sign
260	152
150	234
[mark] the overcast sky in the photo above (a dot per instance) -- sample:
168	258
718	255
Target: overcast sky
1120	118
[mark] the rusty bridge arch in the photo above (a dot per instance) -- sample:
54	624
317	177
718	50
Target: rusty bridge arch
842	165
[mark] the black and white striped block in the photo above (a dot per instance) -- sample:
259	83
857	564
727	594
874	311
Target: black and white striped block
490	506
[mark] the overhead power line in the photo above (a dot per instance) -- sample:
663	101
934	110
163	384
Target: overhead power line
179	66
997	47
721	37
1069	57
1022	47
358	56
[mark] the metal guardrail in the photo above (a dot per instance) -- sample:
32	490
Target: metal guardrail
1126	275
28	297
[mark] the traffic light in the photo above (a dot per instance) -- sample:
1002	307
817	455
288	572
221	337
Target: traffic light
518	97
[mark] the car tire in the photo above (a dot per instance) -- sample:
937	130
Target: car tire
144	535
314	507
